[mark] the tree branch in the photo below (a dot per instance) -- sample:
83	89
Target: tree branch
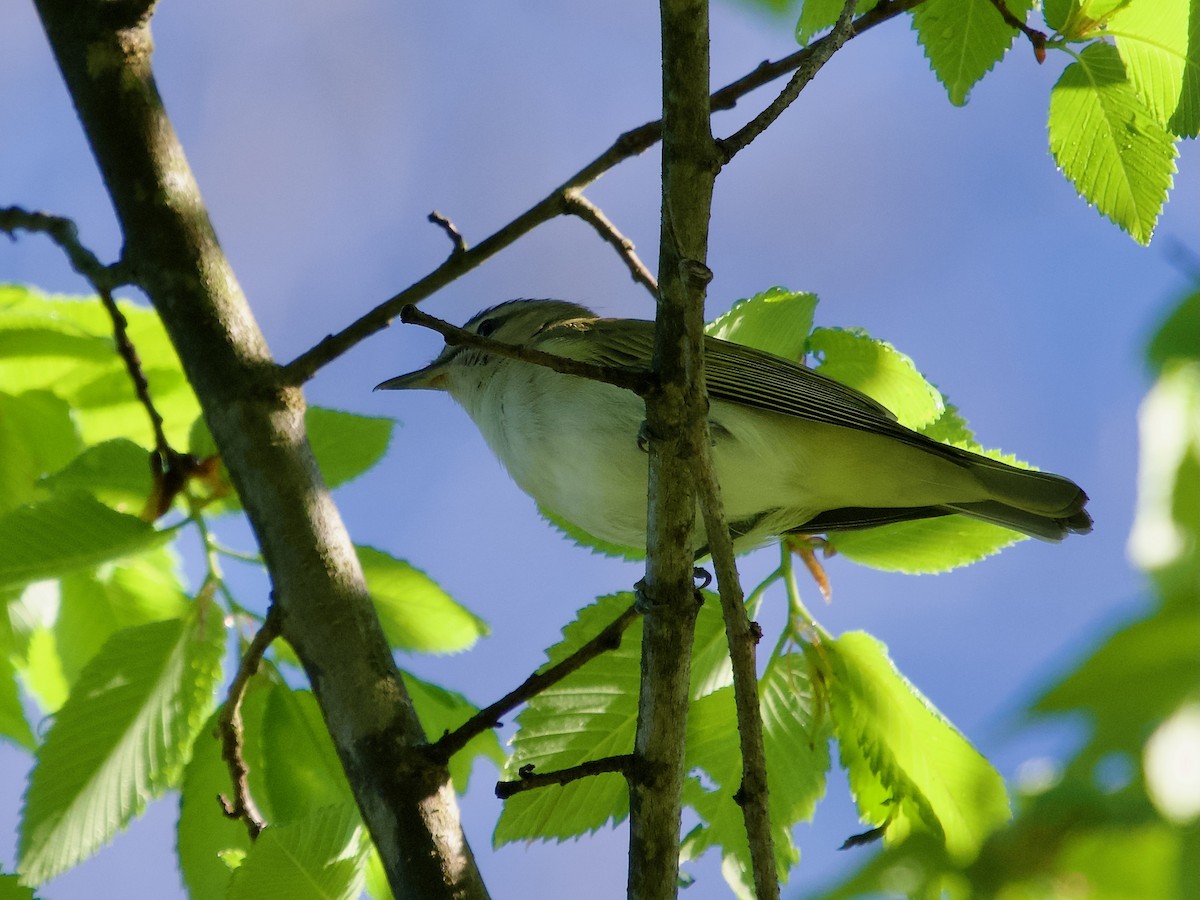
629	144
822	50
578	205
171	251
489	717
1036	38
229	728
456	238
530	780
634	380
676	424
742	636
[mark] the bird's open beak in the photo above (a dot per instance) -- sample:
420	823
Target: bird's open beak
432	377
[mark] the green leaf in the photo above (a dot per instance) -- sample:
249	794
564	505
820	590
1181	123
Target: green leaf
346	444
65	533
37	435
13	724
65	345
1108	143
116	472
204	834
924	546
777	321
122	737
910	770
415	612
441	710
817	15
11	889
94	604
1176	336
963	39
301	766
582	539
32	616
318	857
1159	42
880	371
796	743
588	715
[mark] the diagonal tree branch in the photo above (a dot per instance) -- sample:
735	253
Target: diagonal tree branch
630	379
822	50
742	636
531	780
584	209
172	252
629	144
608	639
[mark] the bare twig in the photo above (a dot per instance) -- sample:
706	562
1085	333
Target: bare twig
229	728
530	780
822	50
608	639
456	238
1036	38
170	468
65	234
578	205
742	636
629	144
634	380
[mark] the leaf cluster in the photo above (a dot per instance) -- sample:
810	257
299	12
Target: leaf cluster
1121	815
124	660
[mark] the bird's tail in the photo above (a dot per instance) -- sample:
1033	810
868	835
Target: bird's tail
1039	504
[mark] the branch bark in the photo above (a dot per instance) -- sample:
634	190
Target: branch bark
171	251
676	420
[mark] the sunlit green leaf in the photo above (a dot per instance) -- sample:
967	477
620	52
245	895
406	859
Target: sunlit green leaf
1107	142
122	737
65	345
320	856
346	444
301	765
415	612
1161	51
37	435
910	770
116	472
588	715
924	546
963	39
880	371
796	743
65	533
95	603
13	724
777	321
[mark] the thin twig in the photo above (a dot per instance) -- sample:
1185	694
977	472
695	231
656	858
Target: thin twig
229	728
1036	38
170	469
629	144
636	380
489	717
530	780
822	50
456	238
742	636
579	206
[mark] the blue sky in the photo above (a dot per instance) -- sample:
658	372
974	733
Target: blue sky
322	135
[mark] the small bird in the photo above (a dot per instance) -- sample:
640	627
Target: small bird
794	451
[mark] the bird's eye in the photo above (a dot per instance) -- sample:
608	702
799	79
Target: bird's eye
487	326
